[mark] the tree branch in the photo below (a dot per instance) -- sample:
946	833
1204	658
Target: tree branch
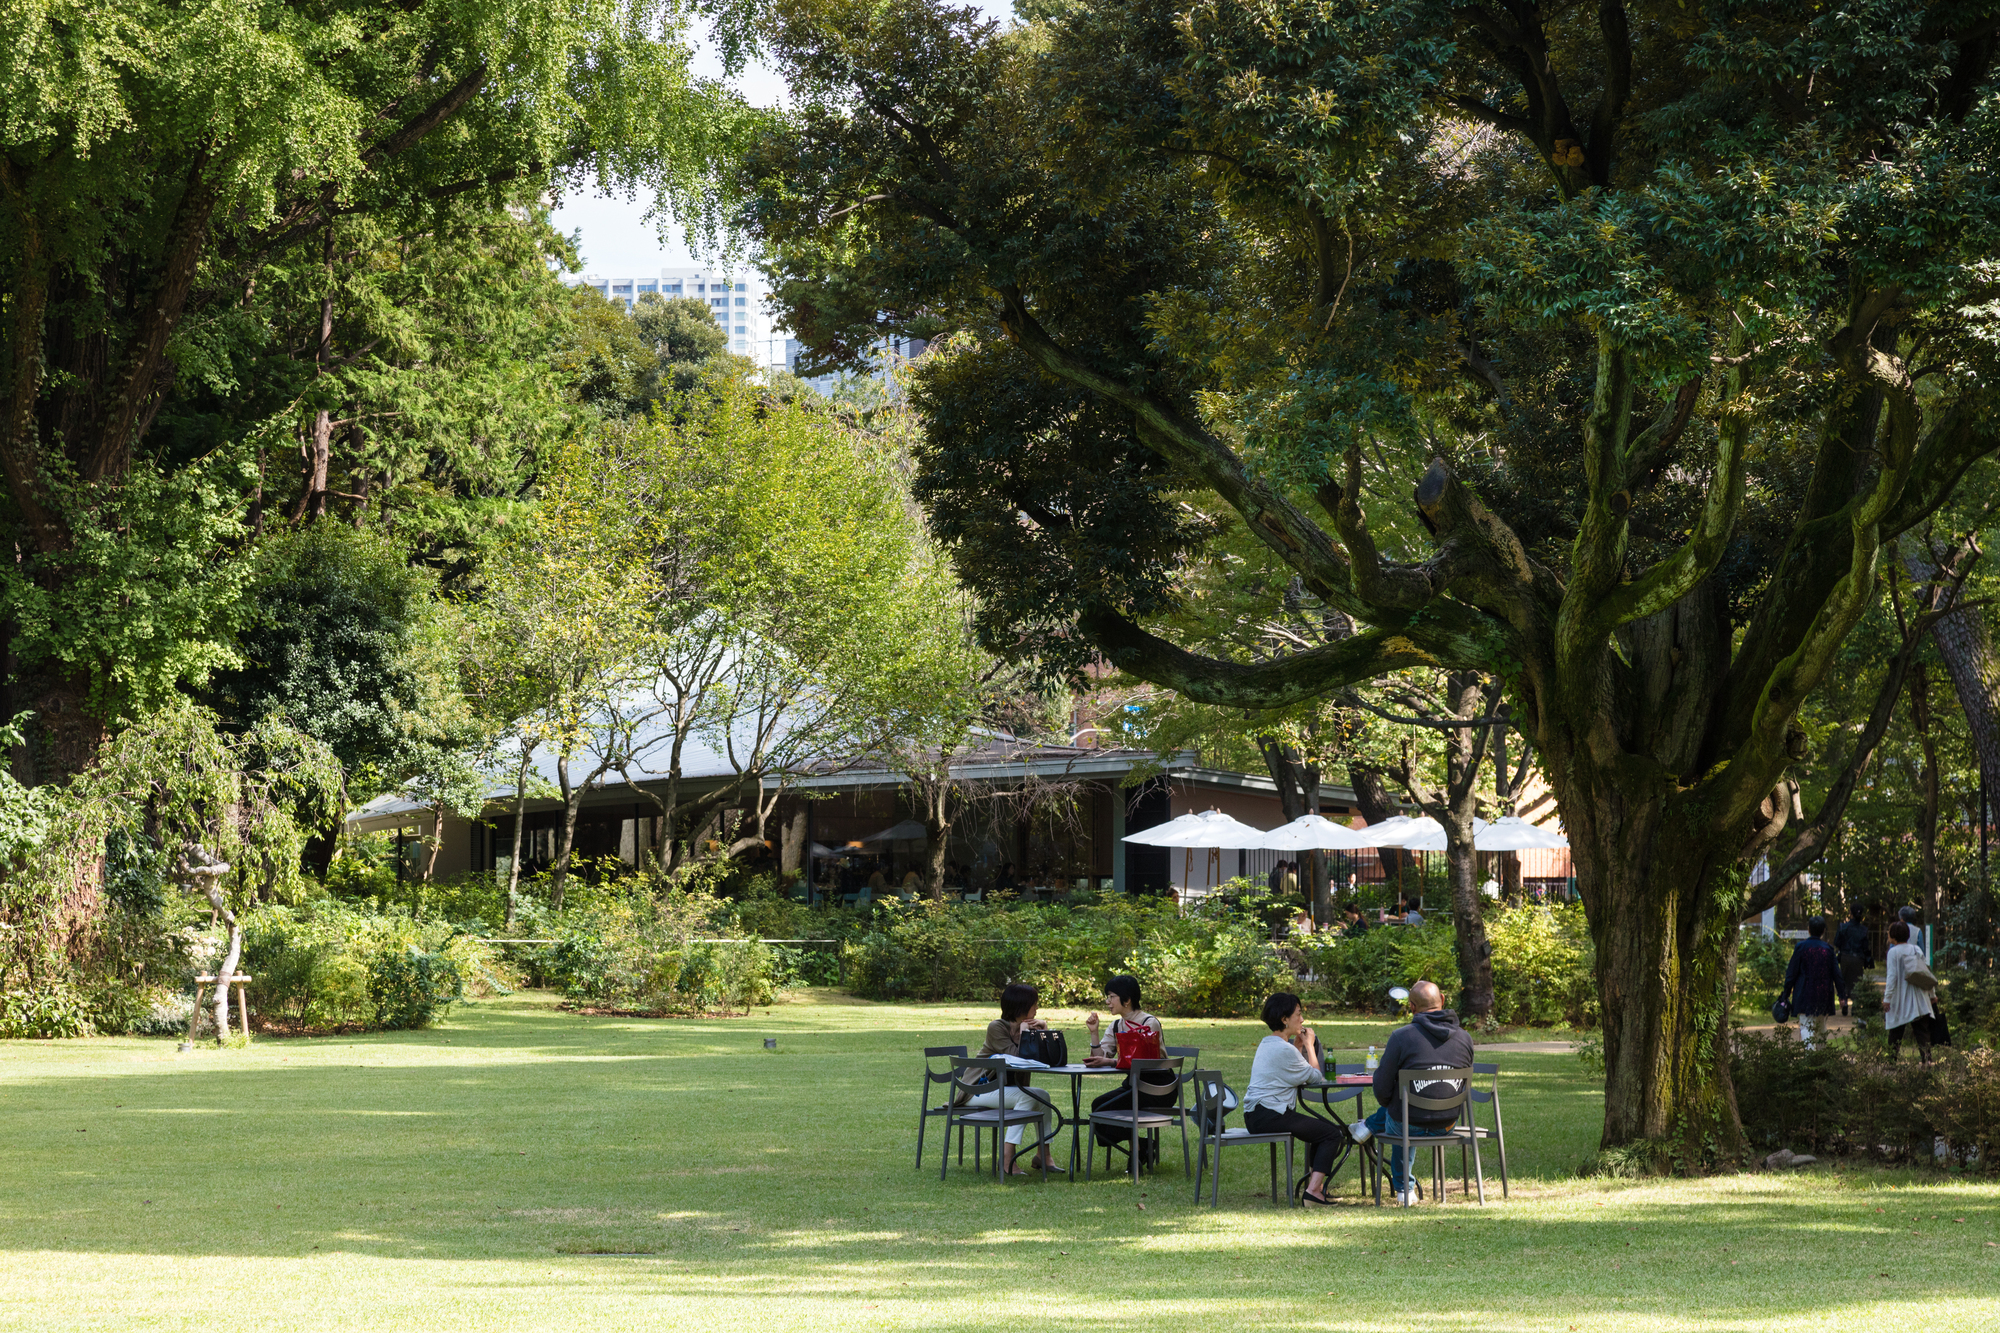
1277	683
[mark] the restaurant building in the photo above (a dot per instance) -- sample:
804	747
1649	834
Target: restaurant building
1043	816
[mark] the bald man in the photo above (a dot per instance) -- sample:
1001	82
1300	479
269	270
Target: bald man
1432	1039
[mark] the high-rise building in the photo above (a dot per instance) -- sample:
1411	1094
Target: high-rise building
735	301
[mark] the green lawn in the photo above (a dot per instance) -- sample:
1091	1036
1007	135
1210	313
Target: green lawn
465	1177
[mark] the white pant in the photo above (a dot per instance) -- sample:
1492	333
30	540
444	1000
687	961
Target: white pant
1807	1034
1014	1099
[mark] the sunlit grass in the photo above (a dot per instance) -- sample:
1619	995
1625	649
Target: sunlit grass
521	1168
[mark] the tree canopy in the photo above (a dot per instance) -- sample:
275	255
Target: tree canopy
1610	358
161	164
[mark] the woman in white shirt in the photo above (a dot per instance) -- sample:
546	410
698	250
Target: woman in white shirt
1904	1007
1286	1061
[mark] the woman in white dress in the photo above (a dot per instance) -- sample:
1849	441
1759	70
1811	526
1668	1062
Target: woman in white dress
1904	1007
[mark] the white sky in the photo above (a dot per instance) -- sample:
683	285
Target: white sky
617	241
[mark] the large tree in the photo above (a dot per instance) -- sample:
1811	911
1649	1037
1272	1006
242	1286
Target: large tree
1603	353
157	159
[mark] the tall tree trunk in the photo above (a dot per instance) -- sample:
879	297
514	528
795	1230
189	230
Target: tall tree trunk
937	832
1967	649
520	818
792	845
1927	820
1371	794
572	805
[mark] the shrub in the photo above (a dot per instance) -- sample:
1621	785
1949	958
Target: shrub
1357	973
410	988
326	965
1542	959
54	1009
656	952
1761	961
1847	1100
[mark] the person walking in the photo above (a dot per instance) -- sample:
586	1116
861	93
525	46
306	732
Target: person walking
1906	1008
1813	983
1857	955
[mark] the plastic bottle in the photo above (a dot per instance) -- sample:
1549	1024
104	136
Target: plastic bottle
1374	1061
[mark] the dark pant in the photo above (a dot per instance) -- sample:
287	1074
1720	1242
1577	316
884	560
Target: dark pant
1852	966
1920	1028
1321	1136
1389	1130
1120	1099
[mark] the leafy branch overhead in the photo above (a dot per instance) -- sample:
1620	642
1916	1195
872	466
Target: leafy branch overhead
1610	356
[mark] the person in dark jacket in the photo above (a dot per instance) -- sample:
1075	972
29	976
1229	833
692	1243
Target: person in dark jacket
1432	1039
1857	954
1813	983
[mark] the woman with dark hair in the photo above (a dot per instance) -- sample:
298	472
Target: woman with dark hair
1905	1008
1286	1061
1121	998
1019	1003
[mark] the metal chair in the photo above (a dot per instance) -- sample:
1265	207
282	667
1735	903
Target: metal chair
1213	1101
1498	1133
1436	1140
924	1108
993	1073
1142	1120
1330	1097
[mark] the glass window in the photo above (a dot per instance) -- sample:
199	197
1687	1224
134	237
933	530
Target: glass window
741	329
624	287
742	287
742	300
676	287
649	286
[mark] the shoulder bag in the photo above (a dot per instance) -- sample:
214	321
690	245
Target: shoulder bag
1137	1043
1920	977
1046	1045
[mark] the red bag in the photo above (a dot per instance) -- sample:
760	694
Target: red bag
1138	1043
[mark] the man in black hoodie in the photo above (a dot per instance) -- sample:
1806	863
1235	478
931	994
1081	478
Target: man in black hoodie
1431	1040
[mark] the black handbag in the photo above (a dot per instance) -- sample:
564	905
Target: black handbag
1046	1045
1780	1011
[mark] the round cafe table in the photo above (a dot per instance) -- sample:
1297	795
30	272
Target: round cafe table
1076	1074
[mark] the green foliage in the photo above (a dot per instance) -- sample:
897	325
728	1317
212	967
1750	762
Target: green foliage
408	988
1215	963
1761	961
166	782
1843	1100
654	952
51	1010
1542	961
325	966
339	627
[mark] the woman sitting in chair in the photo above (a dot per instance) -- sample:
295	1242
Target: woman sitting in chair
1121	998
1019	1003
1286	1061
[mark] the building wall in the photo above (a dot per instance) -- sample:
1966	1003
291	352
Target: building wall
741	311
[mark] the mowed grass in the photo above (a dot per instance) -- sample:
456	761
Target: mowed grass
498	1172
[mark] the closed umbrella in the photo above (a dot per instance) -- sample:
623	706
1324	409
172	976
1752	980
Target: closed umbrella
1313	832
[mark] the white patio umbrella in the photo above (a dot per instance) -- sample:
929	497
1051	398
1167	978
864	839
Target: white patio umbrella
1210	828
1431	837
1398	830
1165	835
1314	832
1509	834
